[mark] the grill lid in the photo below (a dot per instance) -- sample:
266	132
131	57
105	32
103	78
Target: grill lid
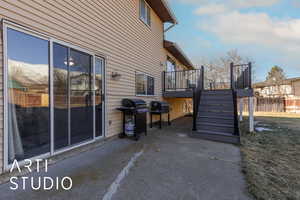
160	106
136	103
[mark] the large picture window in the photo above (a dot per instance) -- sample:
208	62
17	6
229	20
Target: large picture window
145	12
144	84
54	95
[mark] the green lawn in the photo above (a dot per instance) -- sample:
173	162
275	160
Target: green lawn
271	159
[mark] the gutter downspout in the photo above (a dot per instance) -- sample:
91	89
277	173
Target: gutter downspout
170	27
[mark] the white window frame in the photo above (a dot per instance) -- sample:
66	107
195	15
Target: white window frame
147	13
8	24
146	85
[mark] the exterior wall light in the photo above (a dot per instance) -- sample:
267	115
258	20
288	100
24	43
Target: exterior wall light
116	76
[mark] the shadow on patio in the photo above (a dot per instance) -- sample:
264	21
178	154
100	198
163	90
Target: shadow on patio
171	166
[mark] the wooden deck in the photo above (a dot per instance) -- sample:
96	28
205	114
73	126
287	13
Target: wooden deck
189	93
178	94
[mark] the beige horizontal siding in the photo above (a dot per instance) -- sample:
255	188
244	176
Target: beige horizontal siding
178	105
108	28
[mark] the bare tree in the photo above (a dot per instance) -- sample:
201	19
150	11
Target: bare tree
218	70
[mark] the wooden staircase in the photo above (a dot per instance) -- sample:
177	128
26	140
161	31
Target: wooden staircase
217	116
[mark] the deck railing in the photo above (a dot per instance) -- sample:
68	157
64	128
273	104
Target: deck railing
194	80
241	76
182	80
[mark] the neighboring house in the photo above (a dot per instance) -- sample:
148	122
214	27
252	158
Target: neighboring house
59	61
289	89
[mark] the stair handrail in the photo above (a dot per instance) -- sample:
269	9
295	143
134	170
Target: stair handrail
196	97
236	119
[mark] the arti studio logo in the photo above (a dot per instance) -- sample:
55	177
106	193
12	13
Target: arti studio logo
38	182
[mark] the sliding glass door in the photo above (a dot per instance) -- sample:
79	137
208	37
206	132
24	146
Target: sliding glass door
81	97
44	76
27	122
73	96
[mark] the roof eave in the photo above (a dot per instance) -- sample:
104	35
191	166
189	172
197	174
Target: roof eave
174	19
178	53
163	10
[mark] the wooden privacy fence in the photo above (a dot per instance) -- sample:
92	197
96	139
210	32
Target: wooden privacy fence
262	104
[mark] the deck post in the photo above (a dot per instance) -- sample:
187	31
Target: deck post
231	76
194	111
164	81
241	109
250	75
202	77
251	114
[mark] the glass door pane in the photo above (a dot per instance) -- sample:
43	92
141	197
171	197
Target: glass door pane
99	95
60	91
81	96
28	96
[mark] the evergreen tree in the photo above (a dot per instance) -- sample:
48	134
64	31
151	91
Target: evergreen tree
276	75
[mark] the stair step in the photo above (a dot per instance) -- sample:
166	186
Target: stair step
216	101
212	113
209	108
204	115
215	132
217	97
214	127
200	123
216	121
217	136
217	92
216	105
211	117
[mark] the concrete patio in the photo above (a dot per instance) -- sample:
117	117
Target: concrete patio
169	165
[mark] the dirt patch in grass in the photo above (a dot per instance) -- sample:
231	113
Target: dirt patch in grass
271	159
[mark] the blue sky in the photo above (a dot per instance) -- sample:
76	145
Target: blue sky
266	31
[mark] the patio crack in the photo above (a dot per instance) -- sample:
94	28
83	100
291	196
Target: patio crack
125	171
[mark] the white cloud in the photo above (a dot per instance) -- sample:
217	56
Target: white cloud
259	35
252	3
233	3
259	29
211	9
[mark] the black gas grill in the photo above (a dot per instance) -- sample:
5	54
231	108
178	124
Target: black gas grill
135	105
135	116
159	108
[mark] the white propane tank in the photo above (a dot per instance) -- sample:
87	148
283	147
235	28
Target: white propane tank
129	128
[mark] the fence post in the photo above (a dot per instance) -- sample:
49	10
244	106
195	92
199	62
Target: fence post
231	76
